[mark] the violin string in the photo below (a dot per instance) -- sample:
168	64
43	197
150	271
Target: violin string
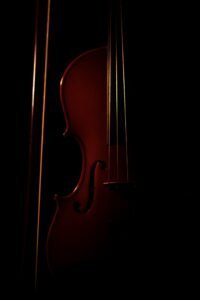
117	99
124	91
109	92
42	142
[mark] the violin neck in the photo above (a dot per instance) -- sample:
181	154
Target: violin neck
116	76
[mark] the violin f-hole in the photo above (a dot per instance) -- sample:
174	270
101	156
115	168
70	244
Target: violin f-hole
88	205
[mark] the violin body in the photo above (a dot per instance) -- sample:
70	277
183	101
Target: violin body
87	222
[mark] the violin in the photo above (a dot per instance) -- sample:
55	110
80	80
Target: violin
87	222
90	223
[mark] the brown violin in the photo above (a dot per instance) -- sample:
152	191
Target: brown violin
93	99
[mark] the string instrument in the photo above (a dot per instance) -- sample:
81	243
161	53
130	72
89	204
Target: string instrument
93	99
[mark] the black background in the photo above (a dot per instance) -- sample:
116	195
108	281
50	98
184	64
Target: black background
160	41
